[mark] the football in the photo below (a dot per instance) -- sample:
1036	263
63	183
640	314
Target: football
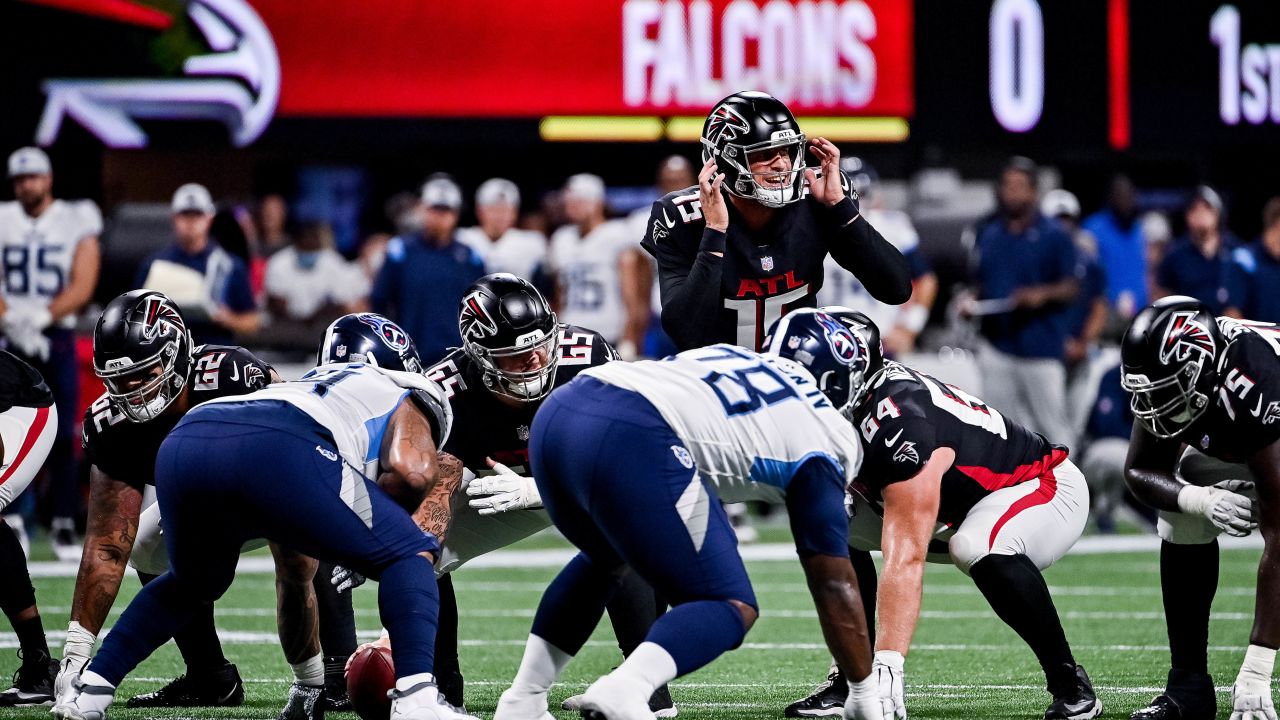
370	675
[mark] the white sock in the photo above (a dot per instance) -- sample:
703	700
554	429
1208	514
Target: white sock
541	665
309	672
650	665
409	681
89	677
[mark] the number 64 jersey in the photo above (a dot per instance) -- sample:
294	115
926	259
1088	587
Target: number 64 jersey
910	414
749	420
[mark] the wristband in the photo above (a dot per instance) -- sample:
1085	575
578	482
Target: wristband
864	687
79	641
1259	663
713	240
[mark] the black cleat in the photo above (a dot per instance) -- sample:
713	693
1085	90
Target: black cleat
826	700
335	685
32	683
220	688
1074	700
661	704
1188	696
305	703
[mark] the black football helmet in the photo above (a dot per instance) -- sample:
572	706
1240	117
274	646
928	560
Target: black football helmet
1169	363
142	350
504	322
369	338
868	336
836	357
748	123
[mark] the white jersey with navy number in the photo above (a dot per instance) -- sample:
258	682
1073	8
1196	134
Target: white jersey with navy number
36	253
587	273
749	420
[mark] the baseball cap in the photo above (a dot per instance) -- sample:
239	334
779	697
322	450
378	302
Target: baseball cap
497	190
29	161
440	191
585	186
192	197
1059	202
1208	196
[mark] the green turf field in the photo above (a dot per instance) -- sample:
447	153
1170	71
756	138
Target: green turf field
965	663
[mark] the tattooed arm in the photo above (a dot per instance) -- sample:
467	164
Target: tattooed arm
114	507
408	457
435	514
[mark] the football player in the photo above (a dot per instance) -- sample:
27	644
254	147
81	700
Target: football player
514	354
331	465
28	422
947	478
631	460
1204	452
747	243
144	354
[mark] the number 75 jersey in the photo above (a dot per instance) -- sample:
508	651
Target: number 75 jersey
749	420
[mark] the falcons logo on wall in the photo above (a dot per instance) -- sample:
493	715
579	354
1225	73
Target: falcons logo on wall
475	320
1184	336
725	124
158	316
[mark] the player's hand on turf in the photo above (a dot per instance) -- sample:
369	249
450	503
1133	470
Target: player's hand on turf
863	702
68	673
824	183
504	491
714	208
1229	511
344	579
1252	701
888	672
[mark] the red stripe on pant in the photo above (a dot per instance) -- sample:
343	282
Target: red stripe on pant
28	442
1043	494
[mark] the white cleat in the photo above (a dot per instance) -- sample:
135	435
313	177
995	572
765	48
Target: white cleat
85	702
423	702
516	705
612	699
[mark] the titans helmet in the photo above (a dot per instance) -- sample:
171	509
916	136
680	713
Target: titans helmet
837	358
369	338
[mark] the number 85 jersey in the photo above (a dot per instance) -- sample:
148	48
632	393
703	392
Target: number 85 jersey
749	420
910	414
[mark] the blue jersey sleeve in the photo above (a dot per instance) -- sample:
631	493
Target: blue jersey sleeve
815	504
239	296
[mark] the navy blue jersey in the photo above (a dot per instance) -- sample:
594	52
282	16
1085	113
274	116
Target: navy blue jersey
1245	416
21	385
126	451
486	427
910	414
1218	281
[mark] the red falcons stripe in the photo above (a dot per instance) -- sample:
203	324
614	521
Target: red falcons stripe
33	434
1043	495
992	480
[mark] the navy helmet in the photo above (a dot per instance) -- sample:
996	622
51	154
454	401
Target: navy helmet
369	338
868	333
837	357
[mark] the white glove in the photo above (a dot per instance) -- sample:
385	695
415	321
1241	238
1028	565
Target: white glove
39	319
75	657
863	702
887	670
1229	511
24	336
344	579
503	492
1251	693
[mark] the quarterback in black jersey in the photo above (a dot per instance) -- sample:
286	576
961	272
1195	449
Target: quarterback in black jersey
747	244
28	424
1205	452
143	352
947	478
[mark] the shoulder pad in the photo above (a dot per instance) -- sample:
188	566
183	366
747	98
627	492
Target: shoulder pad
429	398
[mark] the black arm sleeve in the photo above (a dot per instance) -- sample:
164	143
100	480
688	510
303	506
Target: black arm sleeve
863	251
691	292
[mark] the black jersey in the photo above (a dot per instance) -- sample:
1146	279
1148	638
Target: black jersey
764	274
126	451
1245	416
911	414
484	426
21	385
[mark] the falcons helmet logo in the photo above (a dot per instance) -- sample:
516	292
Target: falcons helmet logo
725	124
158	317
475	320
1185	335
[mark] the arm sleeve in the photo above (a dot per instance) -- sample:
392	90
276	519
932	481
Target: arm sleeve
689	287
863	251
815	506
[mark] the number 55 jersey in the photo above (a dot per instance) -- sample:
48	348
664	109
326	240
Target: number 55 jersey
748	420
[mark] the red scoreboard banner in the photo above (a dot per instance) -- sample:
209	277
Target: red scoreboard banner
512	58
